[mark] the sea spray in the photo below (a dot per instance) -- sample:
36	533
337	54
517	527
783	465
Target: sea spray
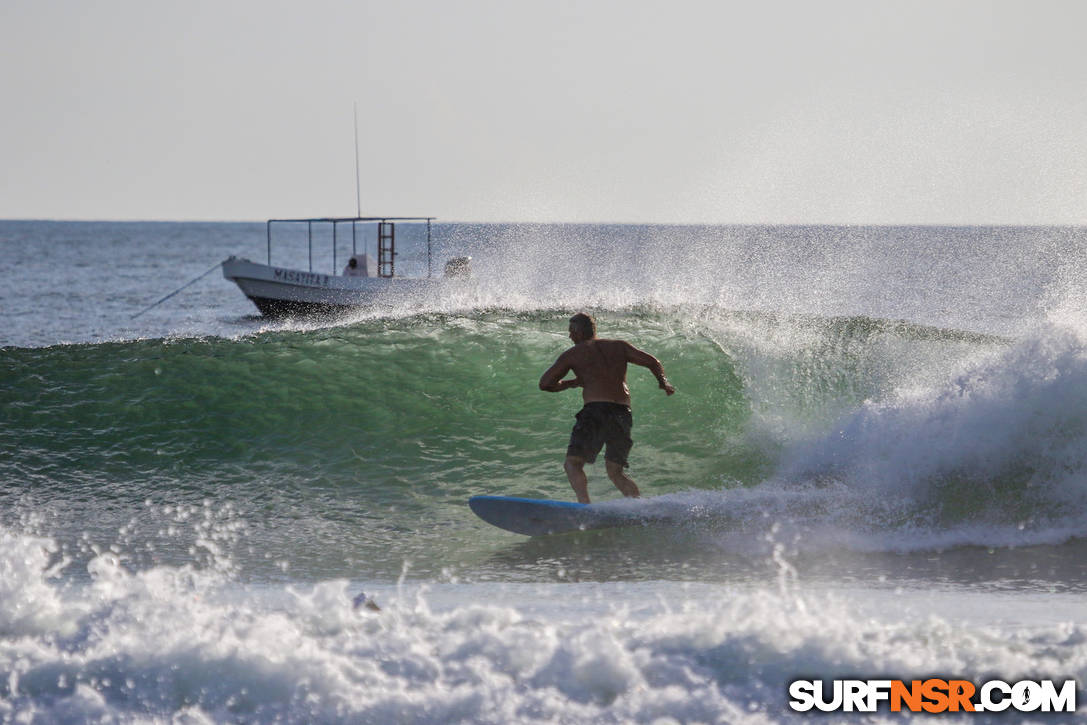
997	453
874	455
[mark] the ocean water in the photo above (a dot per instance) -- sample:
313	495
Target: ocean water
878	448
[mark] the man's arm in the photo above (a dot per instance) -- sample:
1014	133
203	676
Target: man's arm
639	357
552	381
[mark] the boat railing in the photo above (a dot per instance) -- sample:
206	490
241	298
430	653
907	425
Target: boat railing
386	237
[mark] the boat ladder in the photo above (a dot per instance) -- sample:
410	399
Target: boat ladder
386	248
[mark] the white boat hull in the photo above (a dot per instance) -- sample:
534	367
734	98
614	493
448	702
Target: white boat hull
280	292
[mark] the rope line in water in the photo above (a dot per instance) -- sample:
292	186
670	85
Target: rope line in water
187	284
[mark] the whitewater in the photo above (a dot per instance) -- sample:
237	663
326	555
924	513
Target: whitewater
878	450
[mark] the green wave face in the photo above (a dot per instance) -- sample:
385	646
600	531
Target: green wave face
453	400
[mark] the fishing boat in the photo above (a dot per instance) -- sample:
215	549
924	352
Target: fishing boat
280	291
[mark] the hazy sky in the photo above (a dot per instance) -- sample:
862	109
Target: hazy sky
841	111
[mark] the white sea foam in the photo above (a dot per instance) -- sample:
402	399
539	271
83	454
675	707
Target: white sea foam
1012	430
184	645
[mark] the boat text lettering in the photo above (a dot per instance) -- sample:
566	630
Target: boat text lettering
310	278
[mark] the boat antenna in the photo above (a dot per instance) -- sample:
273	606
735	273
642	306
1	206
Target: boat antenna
358	189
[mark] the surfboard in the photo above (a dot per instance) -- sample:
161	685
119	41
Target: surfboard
541	516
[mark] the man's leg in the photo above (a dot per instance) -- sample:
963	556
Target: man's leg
575	471
621	480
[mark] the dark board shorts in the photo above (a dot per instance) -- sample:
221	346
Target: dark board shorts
599	424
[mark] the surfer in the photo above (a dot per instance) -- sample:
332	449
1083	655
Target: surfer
600	370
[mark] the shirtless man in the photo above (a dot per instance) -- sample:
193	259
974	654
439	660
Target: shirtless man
600	370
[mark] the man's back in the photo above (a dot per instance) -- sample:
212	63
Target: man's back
601	365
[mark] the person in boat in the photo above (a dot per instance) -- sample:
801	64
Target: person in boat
600	370
357	266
